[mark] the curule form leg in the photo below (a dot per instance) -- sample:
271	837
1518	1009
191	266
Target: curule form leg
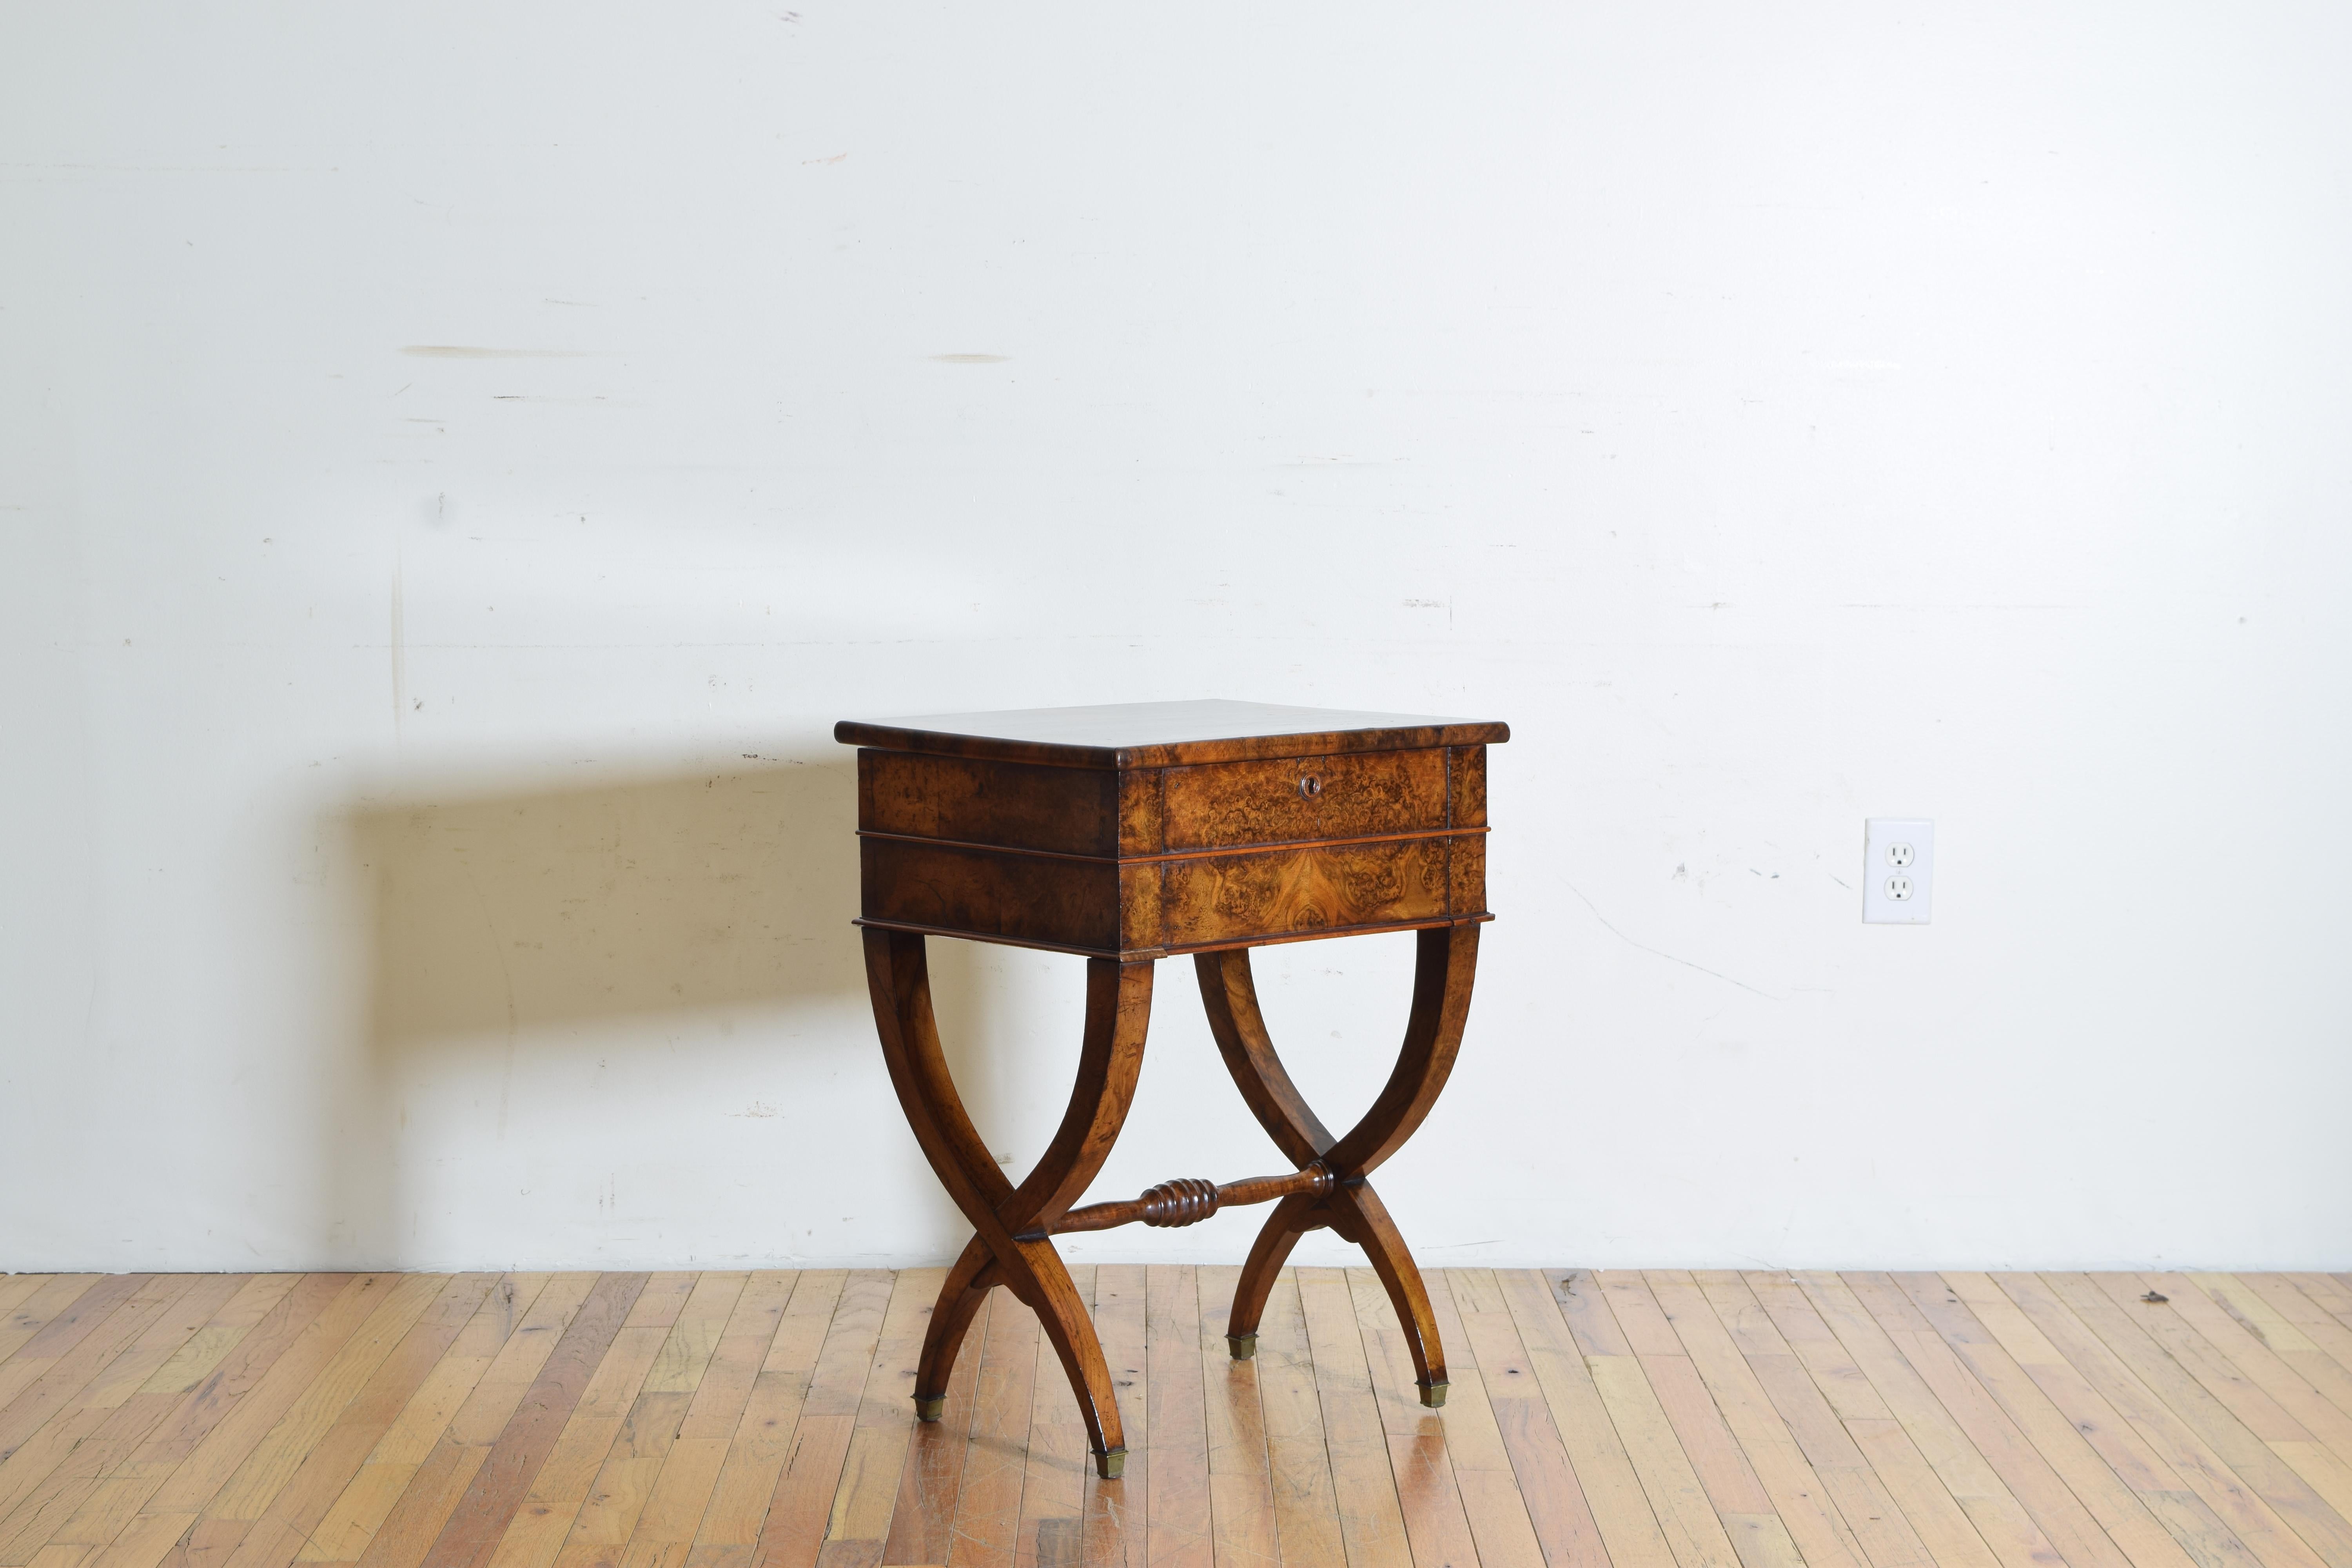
1010	1248
1292	1218
967	1286
1445	964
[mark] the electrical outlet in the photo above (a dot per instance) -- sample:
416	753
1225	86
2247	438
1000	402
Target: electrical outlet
1898	871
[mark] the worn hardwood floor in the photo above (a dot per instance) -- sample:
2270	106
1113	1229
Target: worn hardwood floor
1645	1420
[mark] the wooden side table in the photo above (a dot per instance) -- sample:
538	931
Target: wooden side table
1138	832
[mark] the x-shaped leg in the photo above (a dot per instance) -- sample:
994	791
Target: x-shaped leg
1013	1225
1444	964
1011	1246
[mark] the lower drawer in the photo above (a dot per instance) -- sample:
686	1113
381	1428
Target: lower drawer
1147	908
1033	900
1214	898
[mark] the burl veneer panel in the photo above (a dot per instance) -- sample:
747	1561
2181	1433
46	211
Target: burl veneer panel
1468	778
1226	898
1465	875
1294	799
1075	811
1140	813
1030	899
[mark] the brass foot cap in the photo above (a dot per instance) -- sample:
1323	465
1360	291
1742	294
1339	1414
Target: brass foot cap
930	1409
1433	1395
1112	1465
1243	1346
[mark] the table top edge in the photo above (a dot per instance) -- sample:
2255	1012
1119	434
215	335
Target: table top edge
885	735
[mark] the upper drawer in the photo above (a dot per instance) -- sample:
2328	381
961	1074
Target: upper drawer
1064	811
1292	799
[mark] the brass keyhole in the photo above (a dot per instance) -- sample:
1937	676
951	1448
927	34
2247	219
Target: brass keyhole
1310	786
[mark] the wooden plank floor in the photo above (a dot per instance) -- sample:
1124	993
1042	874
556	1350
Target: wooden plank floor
1661	1419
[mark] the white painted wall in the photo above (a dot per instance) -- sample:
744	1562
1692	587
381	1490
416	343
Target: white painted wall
456	462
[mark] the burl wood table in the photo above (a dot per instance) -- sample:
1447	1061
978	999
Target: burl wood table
1131	834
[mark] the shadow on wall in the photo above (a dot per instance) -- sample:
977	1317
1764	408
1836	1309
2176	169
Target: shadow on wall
535	919
512	911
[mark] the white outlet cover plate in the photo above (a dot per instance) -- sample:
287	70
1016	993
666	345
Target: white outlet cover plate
1898	859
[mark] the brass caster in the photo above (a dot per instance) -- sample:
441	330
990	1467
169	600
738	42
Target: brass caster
930	1409
1434	1395
1243	1346
1111	1466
